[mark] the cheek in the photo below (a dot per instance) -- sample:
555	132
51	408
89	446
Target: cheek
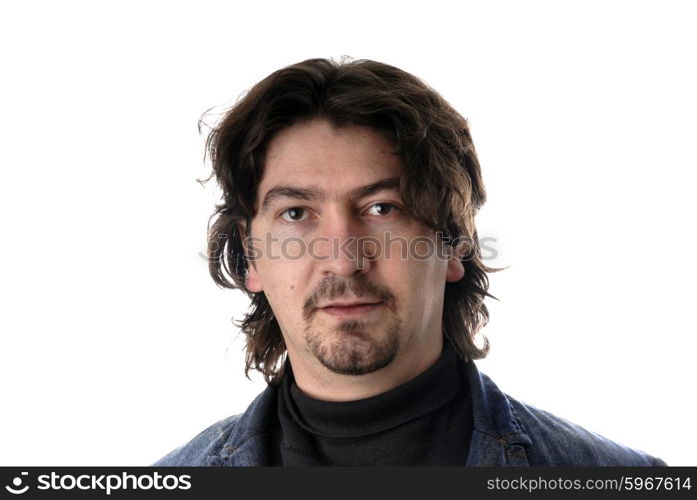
419	284
283	282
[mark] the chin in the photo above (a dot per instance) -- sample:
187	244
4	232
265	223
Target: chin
353	351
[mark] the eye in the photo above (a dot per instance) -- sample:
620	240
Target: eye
382	209
293	214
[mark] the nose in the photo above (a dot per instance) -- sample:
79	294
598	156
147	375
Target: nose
341	248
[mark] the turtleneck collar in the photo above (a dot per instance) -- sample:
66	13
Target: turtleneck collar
428	391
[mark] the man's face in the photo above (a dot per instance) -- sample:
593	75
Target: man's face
328	207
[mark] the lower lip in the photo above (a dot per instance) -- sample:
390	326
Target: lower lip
351	310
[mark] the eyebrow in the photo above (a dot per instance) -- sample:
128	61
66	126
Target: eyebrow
313	193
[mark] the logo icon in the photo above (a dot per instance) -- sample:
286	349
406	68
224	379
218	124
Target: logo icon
17	482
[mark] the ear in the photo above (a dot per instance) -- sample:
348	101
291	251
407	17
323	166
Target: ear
456	270
252	281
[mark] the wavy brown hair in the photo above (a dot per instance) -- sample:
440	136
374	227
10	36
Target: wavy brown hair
441	184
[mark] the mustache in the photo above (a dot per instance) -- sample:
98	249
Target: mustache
333	287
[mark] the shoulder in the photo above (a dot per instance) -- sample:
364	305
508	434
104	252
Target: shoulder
235	440
556	441
207	443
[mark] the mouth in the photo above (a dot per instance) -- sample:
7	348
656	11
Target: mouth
351	309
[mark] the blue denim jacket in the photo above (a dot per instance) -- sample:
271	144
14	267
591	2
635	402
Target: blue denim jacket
506	433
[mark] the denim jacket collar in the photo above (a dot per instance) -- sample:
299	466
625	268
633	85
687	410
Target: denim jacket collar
498	437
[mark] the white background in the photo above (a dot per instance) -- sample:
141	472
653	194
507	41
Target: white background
115	344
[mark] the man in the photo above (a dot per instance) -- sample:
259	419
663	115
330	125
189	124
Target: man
349	196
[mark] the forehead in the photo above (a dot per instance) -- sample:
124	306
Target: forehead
333	159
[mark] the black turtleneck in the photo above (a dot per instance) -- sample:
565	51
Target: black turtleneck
425	421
